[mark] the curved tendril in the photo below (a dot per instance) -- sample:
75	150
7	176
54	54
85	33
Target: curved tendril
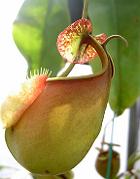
115	37
100	51
106	42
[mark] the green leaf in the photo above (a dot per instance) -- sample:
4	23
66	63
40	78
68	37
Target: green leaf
128	177
1	167
35	32
133	159
120	17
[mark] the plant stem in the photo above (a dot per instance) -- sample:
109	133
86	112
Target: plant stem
85	9
68	70
108	172
115	37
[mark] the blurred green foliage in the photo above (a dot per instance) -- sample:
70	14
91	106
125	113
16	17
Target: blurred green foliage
120	17
35	31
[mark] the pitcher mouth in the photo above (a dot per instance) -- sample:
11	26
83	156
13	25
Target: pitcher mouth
75	77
